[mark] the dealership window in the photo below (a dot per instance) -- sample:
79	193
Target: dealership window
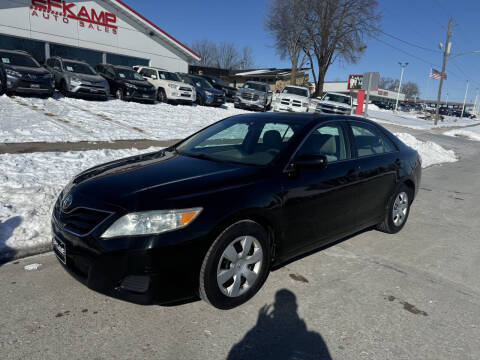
33	47
115	59
69	52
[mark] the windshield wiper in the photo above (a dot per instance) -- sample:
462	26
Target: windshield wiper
199	156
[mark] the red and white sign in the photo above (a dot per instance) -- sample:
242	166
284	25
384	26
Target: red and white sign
62	11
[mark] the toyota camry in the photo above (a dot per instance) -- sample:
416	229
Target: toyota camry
210	216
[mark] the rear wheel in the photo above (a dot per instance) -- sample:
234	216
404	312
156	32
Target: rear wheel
236	265
161	96
397	211
199	100
119	94
64	88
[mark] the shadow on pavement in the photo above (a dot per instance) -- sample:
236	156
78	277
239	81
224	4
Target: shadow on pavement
6	230
280	334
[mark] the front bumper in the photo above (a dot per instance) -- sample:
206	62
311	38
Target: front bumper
22	86
288	108
181	96
333	110
140	95
89	91
143	269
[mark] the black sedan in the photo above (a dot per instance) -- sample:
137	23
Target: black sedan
127	84
212	214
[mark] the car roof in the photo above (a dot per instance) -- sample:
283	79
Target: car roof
256	82
15	52
296	87
70	60
150	67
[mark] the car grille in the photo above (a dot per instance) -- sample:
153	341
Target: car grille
332	109
290	102
80	221
183	88
250	96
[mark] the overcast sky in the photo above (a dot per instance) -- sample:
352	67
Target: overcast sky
417	21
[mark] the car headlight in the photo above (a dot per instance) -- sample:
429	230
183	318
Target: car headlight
131	86
306	104
13	73
151	222
173	86
208	93
75	81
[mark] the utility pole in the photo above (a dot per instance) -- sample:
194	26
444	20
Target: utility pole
475	105
446	51
403	66
464	100
446	105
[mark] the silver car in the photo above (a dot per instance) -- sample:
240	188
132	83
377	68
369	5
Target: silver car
254	95
77	78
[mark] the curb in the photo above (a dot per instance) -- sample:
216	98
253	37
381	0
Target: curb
12	255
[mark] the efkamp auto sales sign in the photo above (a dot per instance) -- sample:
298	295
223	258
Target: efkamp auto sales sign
63	11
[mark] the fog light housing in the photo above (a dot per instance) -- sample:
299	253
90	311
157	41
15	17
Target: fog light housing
136	283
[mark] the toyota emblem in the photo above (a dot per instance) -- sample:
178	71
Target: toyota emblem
67	201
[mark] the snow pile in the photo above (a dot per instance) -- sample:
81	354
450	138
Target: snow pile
431	152
472	133
413	120
61	119
29	185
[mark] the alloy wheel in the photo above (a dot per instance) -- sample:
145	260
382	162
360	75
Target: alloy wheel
239	266
119	94
400	209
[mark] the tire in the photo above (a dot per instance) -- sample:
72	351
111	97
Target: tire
64	89
199	100
395	221
161	96
119	94
254	263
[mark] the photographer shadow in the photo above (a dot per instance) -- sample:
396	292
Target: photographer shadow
280	334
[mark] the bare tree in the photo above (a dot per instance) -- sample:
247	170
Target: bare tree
207	51
224	55
286	22
336	30
411	90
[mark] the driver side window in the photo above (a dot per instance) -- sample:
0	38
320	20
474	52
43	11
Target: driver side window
328	140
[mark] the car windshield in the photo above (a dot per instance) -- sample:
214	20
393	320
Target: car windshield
18	60
78	68
201	82
127	74
244	140
218	81
255	86
295	91
165	75
336	98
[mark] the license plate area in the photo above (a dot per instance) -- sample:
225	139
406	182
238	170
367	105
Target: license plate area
60	250
35	86
145	96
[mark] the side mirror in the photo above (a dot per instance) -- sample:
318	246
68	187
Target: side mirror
311	161
154	77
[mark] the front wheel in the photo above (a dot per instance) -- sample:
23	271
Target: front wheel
397	211
119	94
236	265
161	96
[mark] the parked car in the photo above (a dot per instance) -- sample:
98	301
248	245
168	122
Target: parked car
206	93
3	79
385	105
22	74
335	103
254	95
292	99
219	84
126	84
212	214
77	78
170	87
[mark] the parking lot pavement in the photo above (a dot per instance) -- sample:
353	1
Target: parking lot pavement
413	295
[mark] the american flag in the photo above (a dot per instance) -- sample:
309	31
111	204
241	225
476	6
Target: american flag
435	74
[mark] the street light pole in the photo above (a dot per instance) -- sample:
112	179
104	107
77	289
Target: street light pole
464	99
446	105
403	66
475	106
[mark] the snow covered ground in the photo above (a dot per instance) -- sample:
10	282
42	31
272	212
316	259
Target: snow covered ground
430	152
30	183
61	119
412	120
472	133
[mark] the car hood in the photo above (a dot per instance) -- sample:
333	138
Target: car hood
334	103
164	176
214	91
86	77
29	70
293	96
252	91
139	83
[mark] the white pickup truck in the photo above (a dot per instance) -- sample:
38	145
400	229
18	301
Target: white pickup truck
170	87
292	99
335	103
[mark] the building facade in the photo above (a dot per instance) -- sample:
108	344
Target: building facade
96	31
375	95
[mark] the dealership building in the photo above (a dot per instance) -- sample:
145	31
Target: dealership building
96	31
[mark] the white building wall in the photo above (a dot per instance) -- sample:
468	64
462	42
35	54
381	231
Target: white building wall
132	38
